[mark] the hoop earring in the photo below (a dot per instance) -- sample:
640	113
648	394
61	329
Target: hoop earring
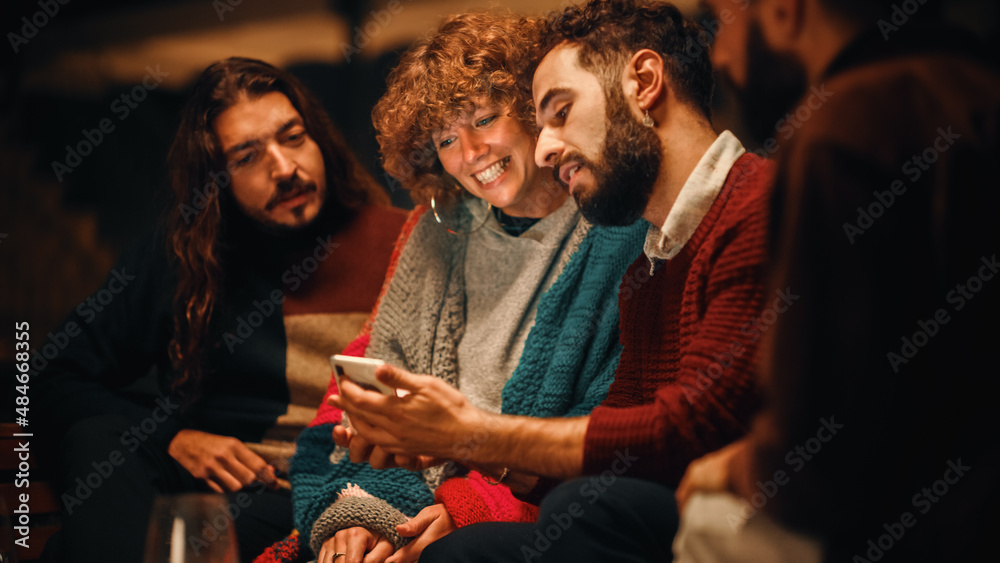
437	217
647	120
434	210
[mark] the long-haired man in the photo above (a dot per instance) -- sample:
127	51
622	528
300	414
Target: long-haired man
202	359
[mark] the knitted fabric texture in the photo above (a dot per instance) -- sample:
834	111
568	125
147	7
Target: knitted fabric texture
348	512
317	484
327	414
471	500
685	385
422	309
505	278
573	351
287	550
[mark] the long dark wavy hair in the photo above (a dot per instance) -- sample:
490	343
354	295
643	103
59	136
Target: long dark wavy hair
197	225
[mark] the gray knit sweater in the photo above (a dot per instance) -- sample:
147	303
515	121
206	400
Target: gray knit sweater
459	307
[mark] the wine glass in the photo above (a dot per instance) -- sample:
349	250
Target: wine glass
191	528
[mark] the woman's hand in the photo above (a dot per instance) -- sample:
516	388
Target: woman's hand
428	525
355	545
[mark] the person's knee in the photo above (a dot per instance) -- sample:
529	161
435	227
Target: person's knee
261	517
96	428
93	454
567	495
456	547
637	500
613	496
91	438
487	542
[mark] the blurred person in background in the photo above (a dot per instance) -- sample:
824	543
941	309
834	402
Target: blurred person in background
871	444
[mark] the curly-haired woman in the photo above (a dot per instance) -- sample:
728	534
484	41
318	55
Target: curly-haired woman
499	287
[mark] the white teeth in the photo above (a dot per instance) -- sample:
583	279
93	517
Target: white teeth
493	172
573	171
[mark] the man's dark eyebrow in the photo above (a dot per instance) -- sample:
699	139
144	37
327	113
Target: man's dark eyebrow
251	142
547	98
289	124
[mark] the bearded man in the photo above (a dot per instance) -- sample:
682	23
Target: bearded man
206	354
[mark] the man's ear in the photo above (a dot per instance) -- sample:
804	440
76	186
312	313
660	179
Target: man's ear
643	81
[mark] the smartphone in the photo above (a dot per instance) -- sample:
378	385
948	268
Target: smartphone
361	371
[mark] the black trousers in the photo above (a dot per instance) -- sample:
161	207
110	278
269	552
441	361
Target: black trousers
108	487
602	518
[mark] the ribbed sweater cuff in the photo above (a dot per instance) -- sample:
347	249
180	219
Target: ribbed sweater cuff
629	439
371	513
462	503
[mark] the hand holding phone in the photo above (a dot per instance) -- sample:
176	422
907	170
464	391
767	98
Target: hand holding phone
361	371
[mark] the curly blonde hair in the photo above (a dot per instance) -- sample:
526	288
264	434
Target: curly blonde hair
470	57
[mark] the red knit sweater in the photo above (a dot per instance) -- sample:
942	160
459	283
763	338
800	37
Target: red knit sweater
685	385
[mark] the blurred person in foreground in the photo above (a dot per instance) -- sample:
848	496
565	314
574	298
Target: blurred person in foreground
871	442
624	114
197	365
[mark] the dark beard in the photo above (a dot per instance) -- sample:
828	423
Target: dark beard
294	185
775	82
627	170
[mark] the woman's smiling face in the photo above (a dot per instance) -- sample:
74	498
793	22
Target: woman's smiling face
491	154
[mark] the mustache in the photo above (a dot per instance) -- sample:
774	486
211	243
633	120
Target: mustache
571	157
293	187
